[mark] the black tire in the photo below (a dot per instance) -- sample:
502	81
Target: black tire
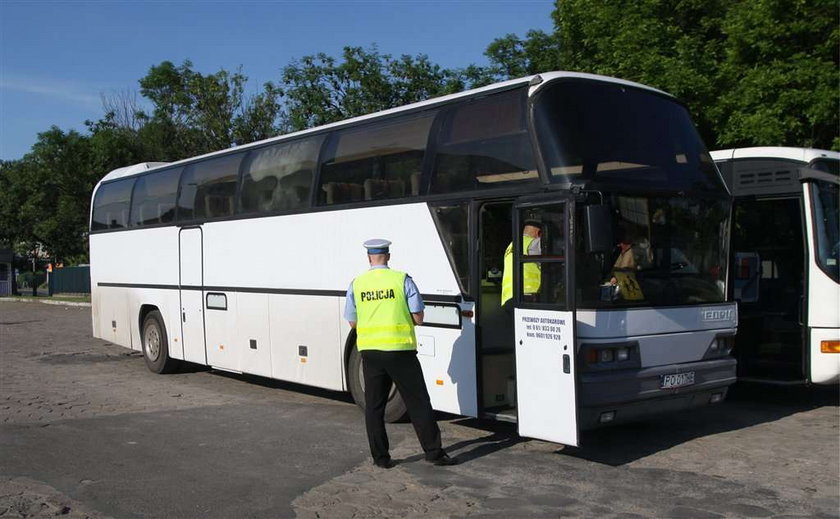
395	409
156	345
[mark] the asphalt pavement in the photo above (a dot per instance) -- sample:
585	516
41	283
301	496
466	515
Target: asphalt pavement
87	431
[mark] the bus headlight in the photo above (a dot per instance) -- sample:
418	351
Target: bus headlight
610	356
720	347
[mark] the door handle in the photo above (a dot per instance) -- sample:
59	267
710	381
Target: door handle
184	316
567	363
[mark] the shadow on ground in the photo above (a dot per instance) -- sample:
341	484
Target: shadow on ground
746	406
338	396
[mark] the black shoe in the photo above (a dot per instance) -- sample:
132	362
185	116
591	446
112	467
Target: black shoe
443	461
385	464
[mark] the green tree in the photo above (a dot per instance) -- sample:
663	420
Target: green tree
259	117
16	187
195	113
513	57
761	72
44	197
113	145
60	165
320	89
779	79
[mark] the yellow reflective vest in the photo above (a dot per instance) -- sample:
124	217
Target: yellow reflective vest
531	272
383	321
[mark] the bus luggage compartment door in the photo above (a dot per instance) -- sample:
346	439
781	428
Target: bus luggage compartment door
191	281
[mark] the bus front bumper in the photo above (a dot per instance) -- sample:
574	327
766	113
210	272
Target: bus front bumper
628	395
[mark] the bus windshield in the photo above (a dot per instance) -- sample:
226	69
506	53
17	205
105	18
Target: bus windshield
668	251
615	135
827	227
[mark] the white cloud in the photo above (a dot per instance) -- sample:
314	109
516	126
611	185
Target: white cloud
56	89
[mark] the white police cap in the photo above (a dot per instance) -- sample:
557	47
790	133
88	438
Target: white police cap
377	246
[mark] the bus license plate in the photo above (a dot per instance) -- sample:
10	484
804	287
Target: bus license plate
676	380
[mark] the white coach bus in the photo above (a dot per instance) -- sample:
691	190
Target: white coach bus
786	252
240	259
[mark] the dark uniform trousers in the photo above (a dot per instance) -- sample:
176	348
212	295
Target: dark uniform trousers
380	368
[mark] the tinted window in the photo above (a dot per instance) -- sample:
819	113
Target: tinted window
667	251
543	272
375	162
154	198
279	177
208	188
827	165
768	253
621	136
484	143
452	222
110	207
827	227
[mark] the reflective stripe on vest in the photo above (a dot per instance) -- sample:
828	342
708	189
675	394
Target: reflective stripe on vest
531	271
383	321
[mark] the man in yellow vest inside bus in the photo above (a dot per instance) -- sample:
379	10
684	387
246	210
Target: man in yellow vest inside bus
384	305
531	278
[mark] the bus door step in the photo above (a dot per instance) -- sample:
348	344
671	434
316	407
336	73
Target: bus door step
501	415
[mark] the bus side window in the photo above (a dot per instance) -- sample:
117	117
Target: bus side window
377	161
484	144
279	177
208	188
111	205
452	222
153	201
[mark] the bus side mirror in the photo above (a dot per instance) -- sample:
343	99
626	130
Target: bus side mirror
598	228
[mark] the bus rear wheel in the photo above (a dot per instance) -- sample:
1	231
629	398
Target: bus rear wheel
156	344
395	409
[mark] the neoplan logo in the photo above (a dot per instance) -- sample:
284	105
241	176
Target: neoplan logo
718	315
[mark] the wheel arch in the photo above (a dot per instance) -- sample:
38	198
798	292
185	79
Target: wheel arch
349	344
145	309
164	363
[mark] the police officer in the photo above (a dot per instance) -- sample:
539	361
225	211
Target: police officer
531	275
384	305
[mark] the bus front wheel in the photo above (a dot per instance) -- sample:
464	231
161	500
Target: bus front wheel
156	345
395	410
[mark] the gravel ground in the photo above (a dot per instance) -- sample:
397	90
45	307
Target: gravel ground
87	431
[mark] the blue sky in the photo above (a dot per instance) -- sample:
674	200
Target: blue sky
58	58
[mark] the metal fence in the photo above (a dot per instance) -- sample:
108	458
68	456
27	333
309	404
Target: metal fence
74	280
5	277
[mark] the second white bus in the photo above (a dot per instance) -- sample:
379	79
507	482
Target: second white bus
786	254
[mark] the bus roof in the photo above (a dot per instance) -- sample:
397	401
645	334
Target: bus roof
804	155
766	177
539	80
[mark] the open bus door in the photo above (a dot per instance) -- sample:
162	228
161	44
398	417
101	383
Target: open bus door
544	323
